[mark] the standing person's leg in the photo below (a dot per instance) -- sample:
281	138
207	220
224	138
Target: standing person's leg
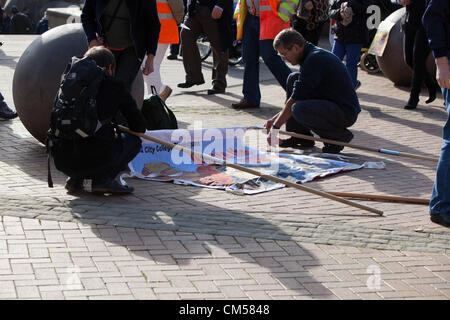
191	56
353	54
408	49
220	57
440	196
154	78
273	61
338	50
421	53
127	66
250	56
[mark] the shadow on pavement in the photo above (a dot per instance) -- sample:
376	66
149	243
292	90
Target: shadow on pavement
223	241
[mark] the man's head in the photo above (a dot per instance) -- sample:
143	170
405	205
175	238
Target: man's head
26	10
103	57
289	44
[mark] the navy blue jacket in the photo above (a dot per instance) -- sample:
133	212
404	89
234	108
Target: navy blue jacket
436	21
144	29
324	77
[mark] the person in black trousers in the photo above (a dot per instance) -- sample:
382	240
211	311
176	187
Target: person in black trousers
213	18
102	156
129	28
416	50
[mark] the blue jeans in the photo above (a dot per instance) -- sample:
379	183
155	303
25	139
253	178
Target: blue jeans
440	196
353	52
252	49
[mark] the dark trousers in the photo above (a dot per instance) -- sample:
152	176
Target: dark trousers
131	145
127	66
416	51
325	118
202	23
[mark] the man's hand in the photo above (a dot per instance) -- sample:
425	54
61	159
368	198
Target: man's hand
405	2
216	13
148	67
309	6
268	125
443	72
94	43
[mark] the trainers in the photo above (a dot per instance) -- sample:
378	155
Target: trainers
111	186
6	112
74	185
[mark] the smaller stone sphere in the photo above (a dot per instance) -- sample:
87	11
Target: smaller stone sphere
38	74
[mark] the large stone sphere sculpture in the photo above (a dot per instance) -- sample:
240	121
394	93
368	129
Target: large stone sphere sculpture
38	74
392	62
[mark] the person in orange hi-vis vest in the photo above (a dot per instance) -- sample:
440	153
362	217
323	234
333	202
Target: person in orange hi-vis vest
170	14
258	24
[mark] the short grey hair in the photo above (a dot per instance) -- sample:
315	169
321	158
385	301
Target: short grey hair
287	38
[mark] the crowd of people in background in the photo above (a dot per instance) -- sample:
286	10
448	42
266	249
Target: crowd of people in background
21	22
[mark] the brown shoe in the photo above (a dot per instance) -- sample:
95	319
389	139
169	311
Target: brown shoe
244	104
165	93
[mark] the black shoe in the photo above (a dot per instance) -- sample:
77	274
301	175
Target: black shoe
189	84
332	148
412	103
111	186
432	92
215	90
6	112
172	57
296	143
436	218
74	185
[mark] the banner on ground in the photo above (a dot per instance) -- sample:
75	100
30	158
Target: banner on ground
160	163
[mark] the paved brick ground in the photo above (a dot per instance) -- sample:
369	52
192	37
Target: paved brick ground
174	242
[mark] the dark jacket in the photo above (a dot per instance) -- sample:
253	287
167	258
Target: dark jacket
436	21
144	29
42	25
324	77
414	13
225	21
356	31
90	157
20	24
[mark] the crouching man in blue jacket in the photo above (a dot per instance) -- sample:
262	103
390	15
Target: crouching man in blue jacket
320	97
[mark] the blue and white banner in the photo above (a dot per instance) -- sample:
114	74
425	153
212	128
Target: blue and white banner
160	163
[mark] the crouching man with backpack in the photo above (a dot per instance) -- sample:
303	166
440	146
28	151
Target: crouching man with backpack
83	138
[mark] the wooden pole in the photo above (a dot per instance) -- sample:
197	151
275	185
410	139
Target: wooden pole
344	144
380	197
251	171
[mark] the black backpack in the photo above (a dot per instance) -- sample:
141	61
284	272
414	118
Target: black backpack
157	114
74	114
